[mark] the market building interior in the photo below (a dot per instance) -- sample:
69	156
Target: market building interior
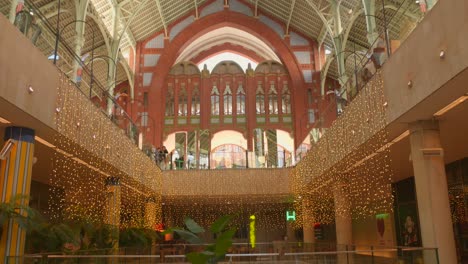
328	130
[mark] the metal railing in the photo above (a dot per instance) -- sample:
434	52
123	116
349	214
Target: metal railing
276	252
224	160
51	41
364	66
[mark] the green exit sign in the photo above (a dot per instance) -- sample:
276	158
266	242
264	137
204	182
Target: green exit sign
290	215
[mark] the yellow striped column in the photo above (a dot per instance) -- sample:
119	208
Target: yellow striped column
112	211
15	179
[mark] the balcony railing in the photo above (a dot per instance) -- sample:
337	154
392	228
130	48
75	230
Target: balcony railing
275	252
364	65
223	160
45	36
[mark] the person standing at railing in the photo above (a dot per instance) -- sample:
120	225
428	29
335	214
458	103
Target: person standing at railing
190	160
165	155
379	55
157	156
174	158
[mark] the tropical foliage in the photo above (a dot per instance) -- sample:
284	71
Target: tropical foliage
18	210
212	253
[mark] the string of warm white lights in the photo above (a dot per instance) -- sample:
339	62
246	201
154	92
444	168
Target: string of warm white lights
269	216
352	155
89	148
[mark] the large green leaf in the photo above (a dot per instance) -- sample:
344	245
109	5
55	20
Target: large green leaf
188	236
193	226
197	258
219	225
224	242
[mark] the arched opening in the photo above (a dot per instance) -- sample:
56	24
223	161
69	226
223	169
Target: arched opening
179	51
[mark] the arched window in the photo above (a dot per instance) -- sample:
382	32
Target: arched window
286	99
240	100
227	100
170	100
215	100
196	101
272	99
182	101
260	99
228	156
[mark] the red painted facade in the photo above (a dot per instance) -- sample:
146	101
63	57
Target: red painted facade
305	94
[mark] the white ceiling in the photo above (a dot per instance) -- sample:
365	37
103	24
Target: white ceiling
230	35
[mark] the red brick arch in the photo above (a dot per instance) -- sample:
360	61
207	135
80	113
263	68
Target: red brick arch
211	22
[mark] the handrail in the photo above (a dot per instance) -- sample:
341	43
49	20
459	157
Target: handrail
97	92
231	255
356	81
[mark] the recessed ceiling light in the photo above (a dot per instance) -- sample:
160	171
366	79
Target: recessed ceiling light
51	57
4	121
327	52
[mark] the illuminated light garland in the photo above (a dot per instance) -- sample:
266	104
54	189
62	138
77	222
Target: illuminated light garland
206	195
352	153
86	154
269	216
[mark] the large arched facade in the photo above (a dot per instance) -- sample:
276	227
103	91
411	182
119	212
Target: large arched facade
297	54
255	104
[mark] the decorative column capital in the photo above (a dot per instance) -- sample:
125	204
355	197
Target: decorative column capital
20	134
112	181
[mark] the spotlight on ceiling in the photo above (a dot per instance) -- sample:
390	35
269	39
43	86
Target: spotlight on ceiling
51	57
4	121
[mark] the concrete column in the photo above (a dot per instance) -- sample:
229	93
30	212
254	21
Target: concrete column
15	179
369	11
338	40
290	232
308	223
114	52
432	191
80	25
343	224
111	78
113	201
77	68
112	209
150	213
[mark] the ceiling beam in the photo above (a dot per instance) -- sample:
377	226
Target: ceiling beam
322	35
134	14
196	8
126	31
53	4
158	4
325	21
256	8
293	4
124	2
